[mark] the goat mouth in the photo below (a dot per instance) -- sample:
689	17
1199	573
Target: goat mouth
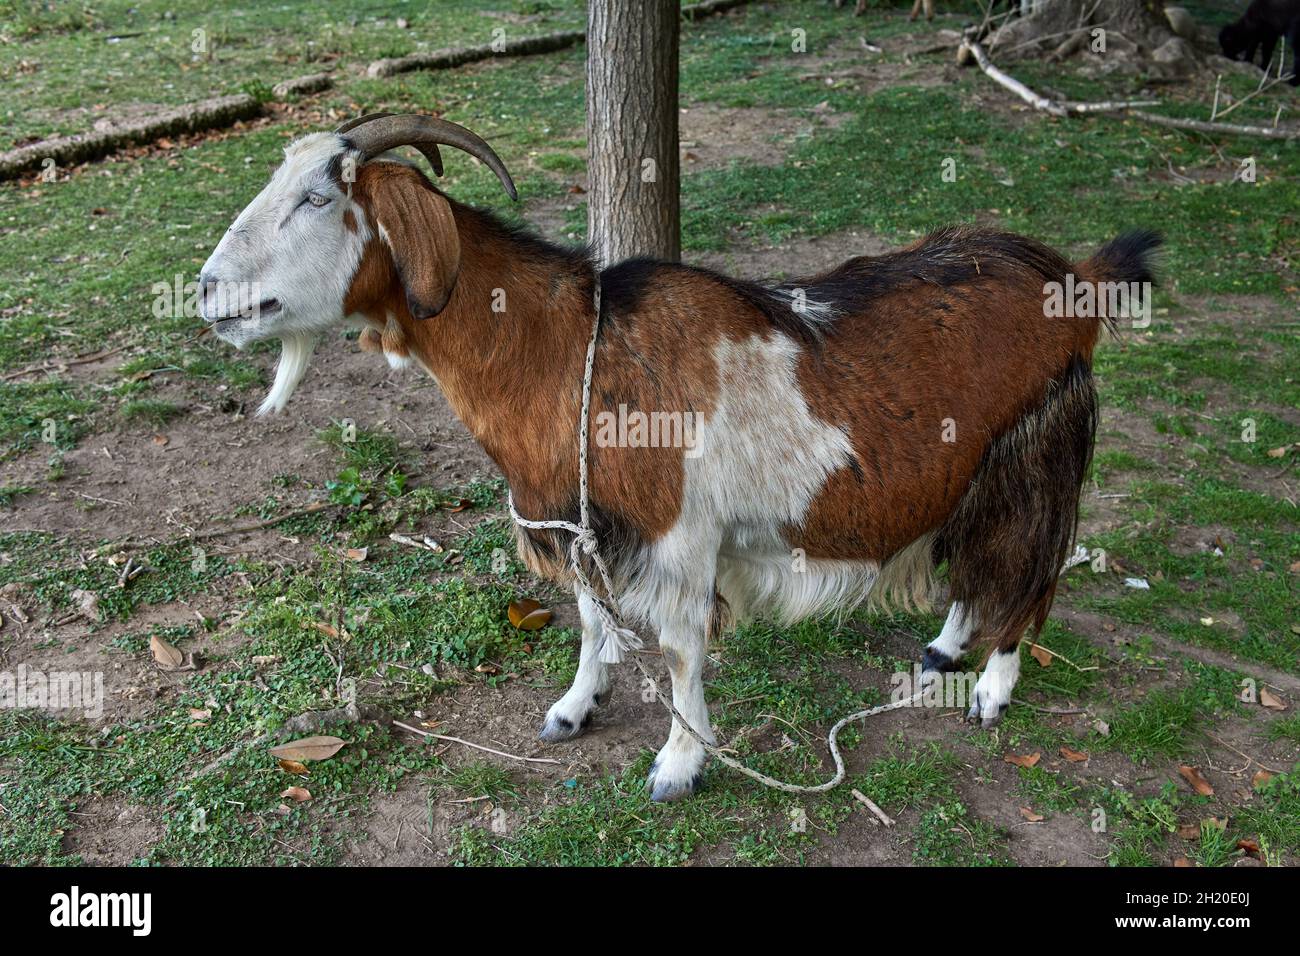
261	310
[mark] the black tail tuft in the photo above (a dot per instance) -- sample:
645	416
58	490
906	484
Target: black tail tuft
1128	257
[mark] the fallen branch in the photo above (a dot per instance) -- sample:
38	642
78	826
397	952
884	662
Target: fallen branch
970	49
303	85
880	814
1202	126
1109	106
467	743
191	118
1008	81
450	57
60	365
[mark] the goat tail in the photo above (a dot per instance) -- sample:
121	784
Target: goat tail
1122	274
1010	534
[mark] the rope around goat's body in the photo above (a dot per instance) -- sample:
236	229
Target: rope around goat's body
616	639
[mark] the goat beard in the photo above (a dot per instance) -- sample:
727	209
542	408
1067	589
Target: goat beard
295	355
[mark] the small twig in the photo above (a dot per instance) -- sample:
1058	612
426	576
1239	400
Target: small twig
67	363
467	743
1054	711
1239	753
1264	86
880	814
1062	657
269	523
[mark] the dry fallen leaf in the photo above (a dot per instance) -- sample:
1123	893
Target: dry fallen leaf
528	615
1041	654
1182	861
1074	756
296	794
1250	846
293	766
357	554
329	630
1198	782
1101	727
200	714
166	656
1271	700
309	748
1277	452
1031	816
1189	831
1261	777
1026	761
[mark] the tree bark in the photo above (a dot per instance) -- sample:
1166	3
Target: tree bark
632	151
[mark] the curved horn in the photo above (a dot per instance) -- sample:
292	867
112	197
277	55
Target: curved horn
429	150
379	132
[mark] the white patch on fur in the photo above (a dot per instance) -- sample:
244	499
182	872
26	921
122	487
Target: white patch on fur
762	459
566	716
295	355
993	691
756	583
956	633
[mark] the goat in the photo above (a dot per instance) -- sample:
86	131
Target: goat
1259	28
860	427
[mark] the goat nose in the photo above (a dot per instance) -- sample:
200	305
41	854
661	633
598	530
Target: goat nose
208	288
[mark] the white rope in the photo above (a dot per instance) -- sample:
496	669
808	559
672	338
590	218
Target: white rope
615	640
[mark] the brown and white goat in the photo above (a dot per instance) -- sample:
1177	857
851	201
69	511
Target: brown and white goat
860	427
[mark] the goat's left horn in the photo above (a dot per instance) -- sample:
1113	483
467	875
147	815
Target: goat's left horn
429	150
376	133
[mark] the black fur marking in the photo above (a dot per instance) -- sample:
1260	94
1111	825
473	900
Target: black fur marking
948	258
935	660
1011	532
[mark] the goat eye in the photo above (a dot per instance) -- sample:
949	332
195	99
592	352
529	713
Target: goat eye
316	199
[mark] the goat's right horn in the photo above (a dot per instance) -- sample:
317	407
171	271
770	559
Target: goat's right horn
376	133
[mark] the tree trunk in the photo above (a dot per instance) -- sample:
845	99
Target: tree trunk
632	154
1060	28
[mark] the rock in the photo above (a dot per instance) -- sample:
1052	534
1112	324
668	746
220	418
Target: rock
1174	51
1182	22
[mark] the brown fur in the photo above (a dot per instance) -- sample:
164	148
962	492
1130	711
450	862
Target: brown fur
952	327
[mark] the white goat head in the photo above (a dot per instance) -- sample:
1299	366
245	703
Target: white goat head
285	266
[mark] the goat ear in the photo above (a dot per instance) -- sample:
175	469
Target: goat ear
417	224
